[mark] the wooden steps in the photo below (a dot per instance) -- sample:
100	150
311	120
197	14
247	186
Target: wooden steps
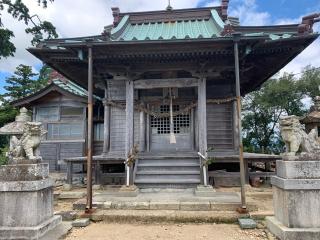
168	171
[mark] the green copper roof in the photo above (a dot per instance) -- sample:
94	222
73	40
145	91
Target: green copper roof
72	88
180	29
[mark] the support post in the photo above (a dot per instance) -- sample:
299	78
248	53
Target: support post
129	127
202	121
106	125
236	39
90	130
142	135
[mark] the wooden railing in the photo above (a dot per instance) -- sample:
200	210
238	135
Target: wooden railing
203	168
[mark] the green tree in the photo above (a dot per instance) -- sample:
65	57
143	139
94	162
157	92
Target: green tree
24	82
263	109
43	78
21	83
310	82
7	114
34	26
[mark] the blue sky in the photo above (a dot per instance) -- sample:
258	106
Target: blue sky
67	17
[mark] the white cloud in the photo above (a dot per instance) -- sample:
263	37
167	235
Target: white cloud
310	56
213	3
83	17
72	19
248	14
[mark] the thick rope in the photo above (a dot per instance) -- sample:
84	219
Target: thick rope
186	110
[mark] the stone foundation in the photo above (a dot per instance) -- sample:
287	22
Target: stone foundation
26	201
296	191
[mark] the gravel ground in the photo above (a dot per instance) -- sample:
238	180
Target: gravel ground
102	231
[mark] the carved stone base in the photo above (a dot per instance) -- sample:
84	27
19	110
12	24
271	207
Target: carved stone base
24	172
26	201
32	233
23	160
296	190
285	233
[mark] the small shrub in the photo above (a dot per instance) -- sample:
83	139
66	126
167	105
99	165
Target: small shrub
3	157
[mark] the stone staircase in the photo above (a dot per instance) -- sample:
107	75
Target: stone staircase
169	171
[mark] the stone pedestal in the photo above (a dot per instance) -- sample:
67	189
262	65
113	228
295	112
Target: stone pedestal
26	201
296	191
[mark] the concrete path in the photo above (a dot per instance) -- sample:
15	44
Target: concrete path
168	199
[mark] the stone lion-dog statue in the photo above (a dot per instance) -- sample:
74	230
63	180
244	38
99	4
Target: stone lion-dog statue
295	137
27	145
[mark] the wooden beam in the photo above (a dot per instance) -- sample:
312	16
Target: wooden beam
90	131
236	39
106	126
165	83
129	126
202	121
202	115
142	135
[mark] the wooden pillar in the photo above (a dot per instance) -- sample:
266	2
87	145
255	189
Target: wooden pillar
106	125
90	130
142	134
202	122
129	126
236	39
148	132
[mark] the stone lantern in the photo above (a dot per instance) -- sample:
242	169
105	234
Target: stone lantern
312	119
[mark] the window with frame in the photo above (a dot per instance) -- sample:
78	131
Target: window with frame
98	133
47	113
71	112
162	125
65	131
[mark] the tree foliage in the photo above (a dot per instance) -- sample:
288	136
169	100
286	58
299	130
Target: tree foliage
20	84
23	82
34	26
277	97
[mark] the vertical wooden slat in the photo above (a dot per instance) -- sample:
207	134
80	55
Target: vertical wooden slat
90	130
129	125
142	135
202	115
202	121
148	131
192	130
106	125
238	93
235	126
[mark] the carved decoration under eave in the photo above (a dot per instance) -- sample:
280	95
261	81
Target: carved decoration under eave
306	26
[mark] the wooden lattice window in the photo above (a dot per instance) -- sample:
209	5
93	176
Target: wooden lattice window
162	125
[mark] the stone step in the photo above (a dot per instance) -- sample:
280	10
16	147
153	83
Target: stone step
168	172
147	186
168	181
160	177
168	168
168	164
166	216
168	161
170	156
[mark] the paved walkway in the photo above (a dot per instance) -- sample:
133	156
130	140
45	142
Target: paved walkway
168	199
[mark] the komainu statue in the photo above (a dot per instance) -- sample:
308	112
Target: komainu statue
25	138
295	137
27	145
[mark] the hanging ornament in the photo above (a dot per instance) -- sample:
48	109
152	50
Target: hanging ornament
172	135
